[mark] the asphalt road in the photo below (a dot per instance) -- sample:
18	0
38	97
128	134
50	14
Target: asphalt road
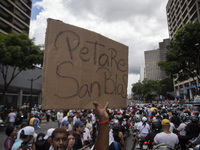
46	125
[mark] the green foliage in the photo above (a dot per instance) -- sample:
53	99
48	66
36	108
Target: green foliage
19	53
148	90
183	53
17	50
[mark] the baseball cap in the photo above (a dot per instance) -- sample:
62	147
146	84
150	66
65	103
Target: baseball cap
78	124
83	120
28	130
49	133
35	123
71	115
40	139
89	116
74	111
165	122
64	122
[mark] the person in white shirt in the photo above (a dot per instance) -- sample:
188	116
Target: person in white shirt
76	116
86	133
12	117
59	117
89	124
166	136
69	118
143	128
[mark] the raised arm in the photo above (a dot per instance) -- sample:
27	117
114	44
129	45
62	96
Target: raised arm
102	142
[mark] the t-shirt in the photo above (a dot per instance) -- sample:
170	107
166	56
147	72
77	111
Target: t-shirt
136	125
170	139
78	144
143	129
172	127
17	144
8	144
181	128
86	136
89	125
12	116
59	116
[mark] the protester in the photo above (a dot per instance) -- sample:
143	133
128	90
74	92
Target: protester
59	117
59	139
11	117
48	114
69	118
89	123
26	135
41	143
59	135
65	125
166	136
86	133
35	122
11	133
71	140
79	128
48	138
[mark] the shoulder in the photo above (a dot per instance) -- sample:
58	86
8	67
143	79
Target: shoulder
160	134
173	134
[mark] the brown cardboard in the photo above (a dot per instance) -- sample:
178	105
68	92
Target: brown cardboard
80	67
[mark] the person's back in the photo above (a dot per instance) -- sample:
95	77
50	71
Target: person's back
192	130
156	127
175	120
166	136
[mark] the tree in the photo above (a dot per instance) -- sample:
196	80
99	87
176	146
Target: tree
150	89
183	53
137	90
19	53
167	87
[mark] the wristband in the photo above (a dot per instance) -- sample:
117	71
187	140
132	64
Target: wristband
104	122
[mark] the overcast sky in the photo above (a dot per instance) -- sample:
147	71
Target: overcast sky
139	24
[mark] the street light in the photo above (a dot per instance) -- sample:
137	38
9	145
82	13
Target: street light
32	79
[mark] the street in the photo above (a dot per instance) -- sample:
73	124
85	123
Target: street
46	125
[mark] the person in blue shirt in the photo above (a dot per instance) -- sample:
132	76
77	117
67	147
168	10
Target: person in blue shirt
26	136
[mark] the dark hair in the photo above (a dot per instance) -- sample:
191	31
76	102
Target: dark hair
22	135
70	133
58	130
9	130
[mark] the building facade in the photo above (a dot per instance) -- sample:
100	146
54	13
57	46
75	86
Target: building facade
152	57
26	88
179	13
15	16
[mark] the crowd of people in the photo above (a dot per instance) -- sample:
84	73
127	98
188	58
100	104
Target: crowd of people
172	125
74	131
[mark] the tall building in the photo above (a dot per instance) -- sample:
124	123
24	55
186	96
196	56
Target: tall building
179	13
26	88
151	68
152	57
15	16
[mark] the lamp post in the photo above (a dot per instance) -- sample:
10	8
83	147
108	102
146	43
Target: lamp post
32	79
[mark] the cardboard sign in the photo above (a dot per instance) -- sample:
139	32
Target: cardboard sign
80	67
